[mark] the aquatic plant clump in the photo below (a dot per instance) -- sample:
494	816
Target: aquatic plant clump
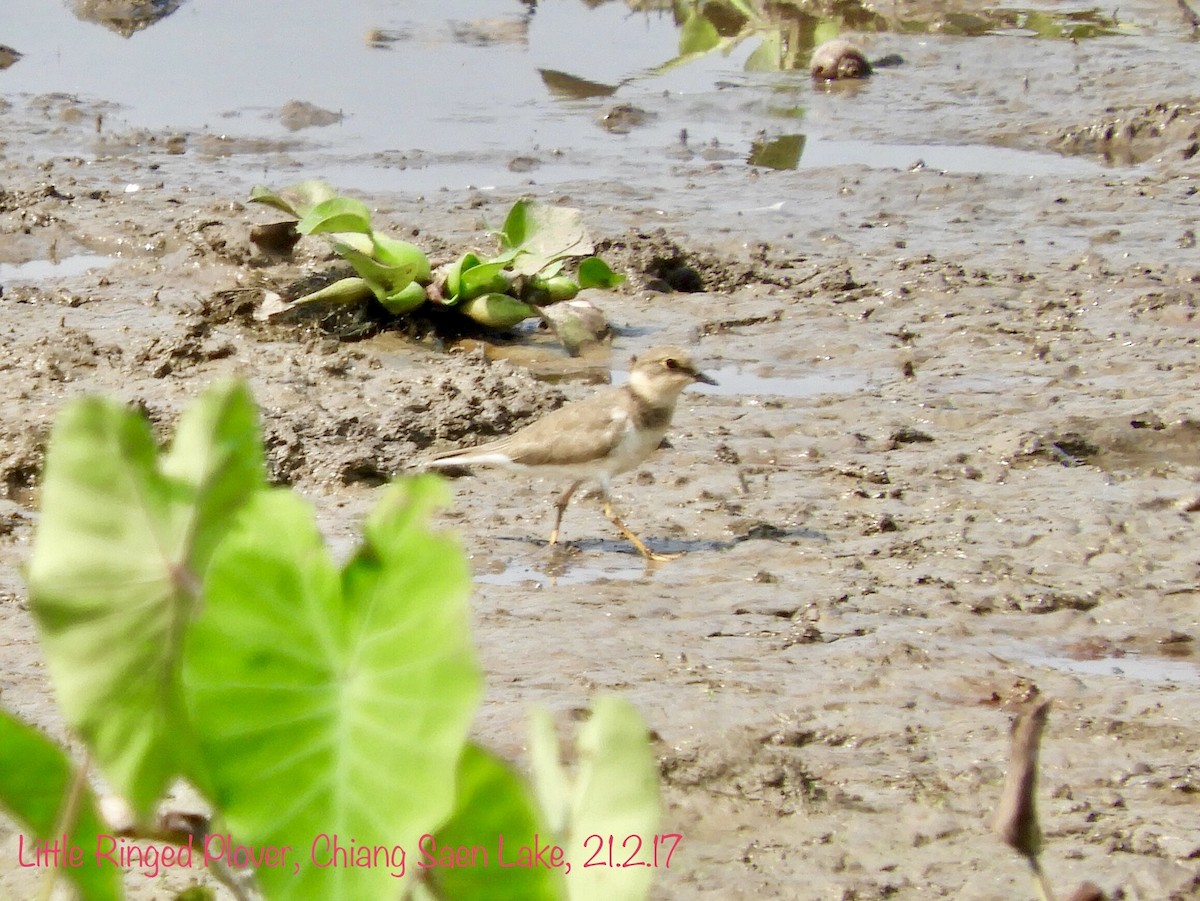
537	242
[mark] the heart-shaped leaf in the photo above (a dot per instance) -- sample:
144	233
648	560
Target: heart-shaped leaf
121	546
36	779
296	200
333	704
614	794
338	214
595	273
495	813
486	278
537	234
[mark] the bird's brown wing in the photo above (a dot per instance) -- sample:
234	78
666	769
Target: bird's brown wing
580	432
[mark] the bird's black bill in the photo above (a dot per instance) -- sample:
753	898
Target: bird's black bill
701	377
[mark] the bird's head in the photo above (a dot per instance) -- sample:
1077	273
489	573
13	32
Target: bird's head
661	373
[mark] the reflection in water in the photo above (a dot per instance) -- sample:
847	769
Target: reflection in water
572	87
790	30
782	152
125	17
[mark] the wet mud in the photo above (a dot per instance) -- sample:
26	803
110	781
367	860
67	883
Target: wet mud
954	459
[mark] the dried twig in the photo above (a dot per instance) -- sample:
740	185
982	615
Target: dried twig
1016	822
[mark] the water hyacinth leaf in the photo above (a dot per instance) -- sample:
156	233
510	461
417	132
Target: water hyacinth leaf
392	252
382	280
495	812
407	299
351	289
334	702
768	56
560	288
296	200
595	273
338	214
537	234
486	278
122	543
452	283
36	779
498	311
615	793
363	243
698	35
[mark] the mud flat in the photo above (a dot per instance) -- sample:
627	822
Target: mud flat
954	459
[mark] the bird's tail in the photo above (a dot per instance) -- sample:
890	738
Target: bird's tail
448	459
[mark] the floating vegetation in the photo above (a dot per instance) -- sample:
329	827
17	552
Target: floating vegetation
788	32
537	241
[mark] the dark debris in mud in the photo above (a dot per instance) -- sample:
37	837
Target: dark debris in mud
1134	136
654	261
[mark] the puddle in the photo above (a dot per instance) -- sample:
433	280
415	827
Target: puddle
1137	667
737	382
1131	666
518	83
613	567
68	267
967	158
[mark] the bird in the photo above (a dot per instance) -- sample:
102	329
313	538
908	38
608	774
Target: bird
594	439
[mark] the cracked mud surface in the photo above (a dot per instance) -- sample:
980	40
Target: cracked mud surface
963	459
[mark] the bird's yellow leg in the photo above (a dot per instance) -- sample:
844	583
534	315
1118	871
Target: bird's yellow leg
560	507
633	539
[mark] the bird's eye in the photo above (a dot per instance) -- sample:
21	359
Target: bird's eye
671	363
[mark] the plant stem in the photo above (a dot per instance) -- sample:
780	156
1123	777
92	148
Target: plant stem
1040	883
67	818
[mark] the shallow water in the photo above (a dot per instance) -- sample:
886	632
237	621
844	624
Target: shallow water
1137	667
465	94
68	267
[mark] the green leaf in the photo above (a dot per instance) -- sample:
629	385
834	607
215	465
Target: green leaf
595	273
453	281
330	703
495	813
768	55
406	299
498	311
536	235
382	280
338	214
549	780
36	778
698	35
391	252
121	546
351	289
615	792
296	200
485	278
